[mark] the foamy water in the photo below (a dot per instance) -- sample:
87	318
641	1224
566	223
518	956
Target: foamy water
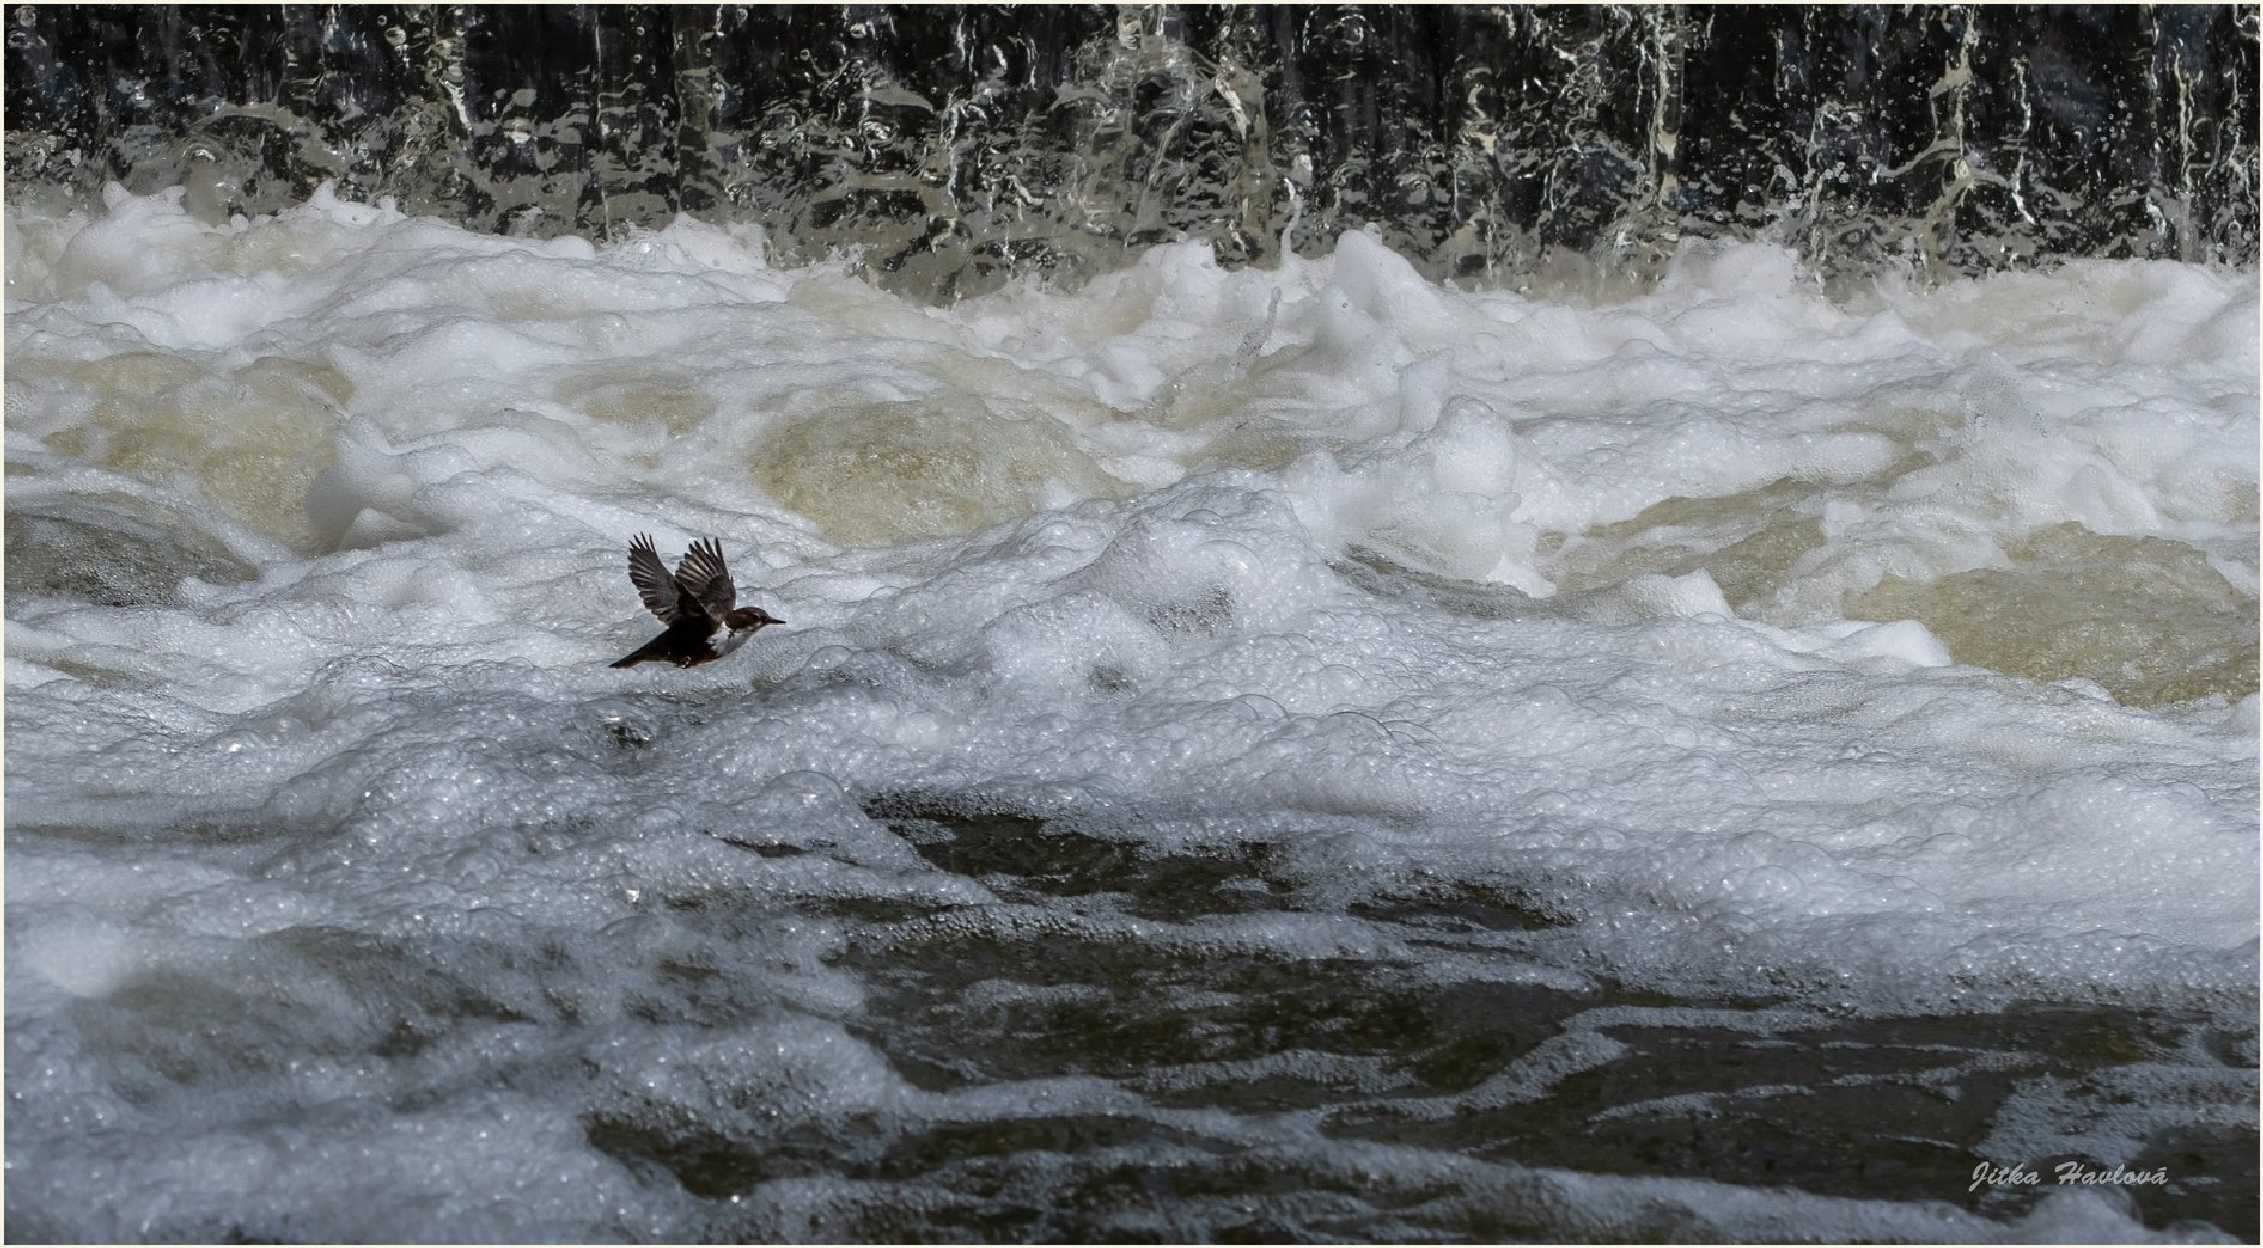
1894	654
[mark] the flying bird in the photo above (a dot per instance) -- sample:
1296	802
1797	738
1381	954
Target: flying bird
699	604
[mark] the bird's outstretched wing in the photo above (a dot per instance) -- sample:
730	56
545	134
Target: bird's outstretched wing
653	584
703	578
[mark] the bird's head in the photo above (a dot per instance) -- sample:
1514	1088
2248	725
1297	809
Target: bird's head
749	619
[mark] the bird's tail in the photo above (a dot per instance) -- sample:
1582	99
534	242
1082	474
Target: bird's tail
641	654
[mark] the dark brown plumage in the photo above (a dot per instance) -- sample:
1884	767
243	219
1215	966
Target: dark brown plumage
699	604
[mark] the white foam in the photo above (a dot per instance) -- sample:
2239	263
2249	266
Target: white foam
1401	580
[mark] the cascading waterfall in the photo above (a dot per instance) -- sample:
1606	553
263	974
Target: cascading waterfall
1400	624
957	148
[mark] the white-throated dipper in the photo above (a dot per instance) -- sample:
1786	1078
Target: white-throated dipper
698	604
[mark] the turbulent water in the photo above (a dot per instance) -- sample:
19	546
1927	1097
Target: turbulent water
964	147
1290	752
